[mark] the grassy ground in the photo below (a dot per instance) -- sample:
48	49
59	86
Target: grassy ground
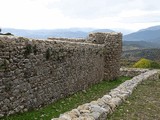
63	105
143	104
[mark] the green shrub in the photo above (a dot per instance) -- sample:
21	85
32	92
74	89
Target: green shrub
35	50
48	54
145	63
8	34
28	50
4	64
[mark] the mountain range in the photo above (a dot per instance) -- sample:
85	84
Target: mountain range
144	38
149	34
44	34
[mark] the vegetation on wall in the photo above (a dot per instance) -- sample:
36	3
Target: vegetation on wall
30	49
48	54
35	50
4	64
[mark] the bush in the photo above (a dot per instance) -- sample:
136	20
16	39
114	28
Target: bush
48	54
8	34
28	50
145	63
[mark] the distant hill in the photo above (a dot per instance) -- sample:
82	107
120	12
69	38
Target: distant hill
65	33
133	45
151	28
144	38
102	30
149	34
152	54
128	58
43	34
124	31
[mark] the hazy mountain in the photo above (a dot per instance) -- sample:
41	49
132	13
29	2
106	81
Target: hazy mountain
81	29
65	33
124	31
102	30
144	38
151	28
133	45
43	34
149	34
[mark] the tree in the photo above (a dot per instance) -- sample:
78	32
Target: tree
0	30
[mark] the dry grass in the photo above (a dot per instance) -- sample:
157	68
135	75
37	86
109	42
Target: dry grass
143	104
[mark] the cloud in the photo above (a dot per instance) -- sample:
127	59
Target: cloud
139	16
88	9
49	14
28	14
85	9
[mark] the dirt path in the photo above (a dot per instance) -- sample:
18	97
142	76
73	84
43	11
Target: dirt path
143	104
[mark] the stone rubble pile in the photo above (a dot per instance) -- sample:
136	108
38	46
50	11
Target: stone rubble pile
98	110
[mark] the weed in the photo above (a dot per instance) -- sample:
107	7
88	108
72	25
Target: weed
28	50
35	50
4	65
48	54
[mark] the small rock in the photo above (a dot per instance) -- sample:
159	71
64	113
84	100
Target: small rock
83	107
11	112
65	116
1	115
85	111
96	115
96	108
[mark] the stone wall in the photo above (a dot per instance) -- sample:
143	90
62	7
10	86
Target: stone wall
131	72
112	52
101	108
69	39
37	72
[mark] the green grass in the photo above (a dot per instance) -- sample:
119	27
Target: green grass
66	104
143	104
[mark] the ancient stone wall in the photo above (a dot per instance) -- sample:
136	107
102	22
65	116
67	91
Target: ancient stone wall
112	52
131	72
37	72
69	39
105	106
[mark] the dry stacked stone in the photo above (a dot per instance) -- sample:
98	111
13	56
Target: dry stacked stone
101	108
112	52
34	73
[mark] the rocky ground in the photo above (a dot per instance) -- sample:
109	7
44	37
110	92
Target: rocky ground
143	104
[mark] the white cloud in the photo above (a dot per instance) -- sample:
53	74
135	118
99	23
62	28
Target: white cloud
27	14
50	14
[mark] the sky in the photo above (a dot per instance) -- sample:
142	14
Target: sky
54	14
